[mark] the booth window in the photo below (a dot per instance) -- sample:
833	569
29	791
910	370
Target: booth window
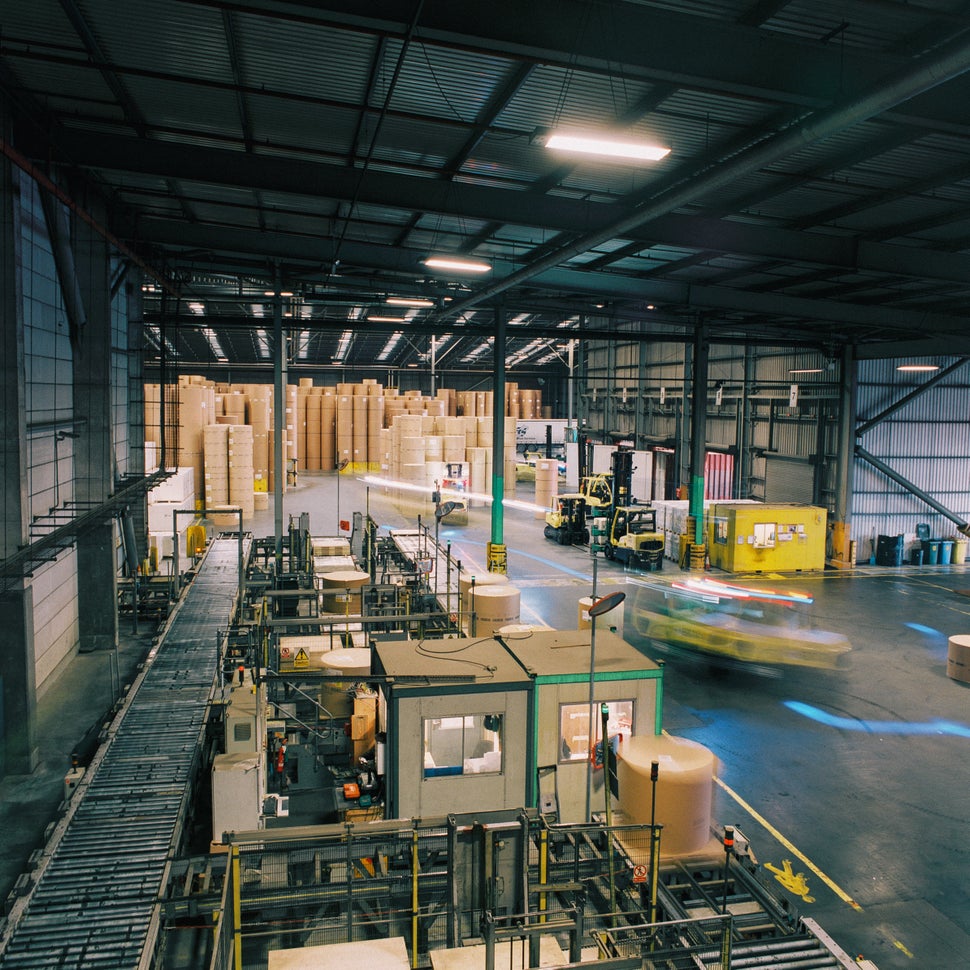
574	743
721	530
764	535
469	744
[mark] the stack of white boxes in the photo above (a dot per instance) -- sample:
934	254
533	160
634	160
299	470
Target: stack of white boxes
176	493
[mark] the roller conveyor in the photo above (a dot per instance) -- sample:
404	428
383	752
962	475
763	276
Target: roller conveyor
96	890
415	545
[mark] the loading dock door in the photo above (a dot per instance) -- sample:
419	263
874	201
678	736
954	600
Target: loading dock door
789	480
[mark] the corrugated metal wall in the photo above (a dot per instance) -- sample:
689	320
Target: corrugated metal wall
927	442
643	391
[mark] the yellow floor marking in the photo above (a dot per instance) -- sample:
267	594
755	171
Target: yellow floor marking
899	946
794	882
844	896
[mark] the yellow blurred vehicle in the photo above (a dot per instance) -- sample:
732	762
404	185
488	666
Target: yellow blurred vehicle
732	624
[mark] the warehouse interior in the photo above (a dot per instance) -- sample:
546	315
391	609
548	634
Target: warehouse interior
314	336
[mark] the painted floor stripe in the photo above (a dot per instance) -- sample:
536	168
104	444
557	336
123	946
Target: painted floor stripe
761	820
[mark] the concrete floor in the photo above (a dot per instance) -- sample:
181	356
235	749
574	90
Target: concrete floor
863	789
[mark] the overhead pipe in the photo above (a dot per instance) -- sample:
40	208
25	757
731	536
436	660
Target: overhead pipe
26	166
929	72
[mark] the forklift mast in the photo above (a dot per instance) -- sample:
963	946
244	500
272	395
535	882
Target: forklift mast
622	467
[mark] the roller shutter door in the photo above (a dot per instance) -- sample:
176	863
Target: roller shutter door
789	480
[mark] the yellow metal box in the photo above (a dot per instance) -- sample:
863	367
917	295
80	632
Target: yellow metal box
761	538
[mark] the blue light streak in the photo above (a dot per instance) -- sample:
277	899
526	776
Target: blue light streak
877	727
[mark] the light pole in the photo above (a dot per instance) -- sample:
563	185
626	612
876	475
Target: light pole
341	465
603	605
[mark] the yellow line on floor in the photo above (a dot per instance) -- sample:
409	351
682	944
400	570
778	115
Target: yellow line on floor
844	896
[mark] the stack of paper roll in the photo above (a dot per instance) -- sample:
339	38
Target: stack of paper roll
234	407
375	424
216	452
302	395
483	432
196	410
411	450
359	434
328	429
314	436
478	468
259	399
433	450
547	484
241	468
344	434
453	447
290	448
684	789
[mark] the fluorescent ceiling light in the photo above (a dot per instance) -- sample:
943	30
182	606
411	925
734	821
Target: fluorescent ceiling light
457	264
378	319
807	370
611	147
408	301
917	368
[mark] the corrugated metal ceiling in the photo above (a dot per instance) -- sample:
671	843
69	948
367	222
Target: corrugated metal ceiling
336	145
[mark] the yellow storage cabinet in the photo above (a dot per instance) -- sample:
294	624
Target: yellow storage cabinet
761	538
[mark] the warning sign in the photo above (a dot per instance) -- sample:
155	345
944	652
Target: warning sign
302	659
639	873
284	653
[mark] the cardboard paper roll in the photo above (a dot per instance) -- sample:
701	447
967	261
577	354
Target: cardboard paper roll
685	789
453	447
494	607
353	661
958	658
584	623
517	631
483	578
340	590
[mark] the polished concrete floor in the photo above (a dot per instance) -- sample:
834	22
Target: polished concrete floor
856	780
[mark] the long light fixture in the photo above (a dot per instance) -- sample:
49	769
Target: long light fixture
610	147
917	368
382	319
408	301
806	370
457	264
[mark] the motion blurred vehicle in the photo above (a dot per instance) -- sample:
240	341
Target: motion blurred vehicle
732	625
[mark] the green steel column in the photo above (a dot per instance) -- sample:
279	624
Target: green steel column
279	414
498	431
698	432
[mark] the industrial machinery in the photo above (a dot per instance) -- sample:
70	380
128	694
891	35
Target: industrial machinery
566	520
732	625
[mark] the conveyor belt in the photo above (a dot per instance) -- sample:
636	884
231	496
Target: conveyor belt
414	545
95	896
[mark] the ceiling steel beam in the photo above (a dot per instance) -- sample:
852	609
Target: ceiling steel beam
301	177
927	73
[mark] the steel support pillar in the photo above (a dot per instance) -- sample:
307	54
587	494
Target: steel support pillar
279	415
840	551
496	548
17	688
95	464
698	433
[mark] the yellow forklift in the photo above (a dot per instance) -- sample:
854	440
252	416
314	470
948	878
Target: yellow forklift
630	535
